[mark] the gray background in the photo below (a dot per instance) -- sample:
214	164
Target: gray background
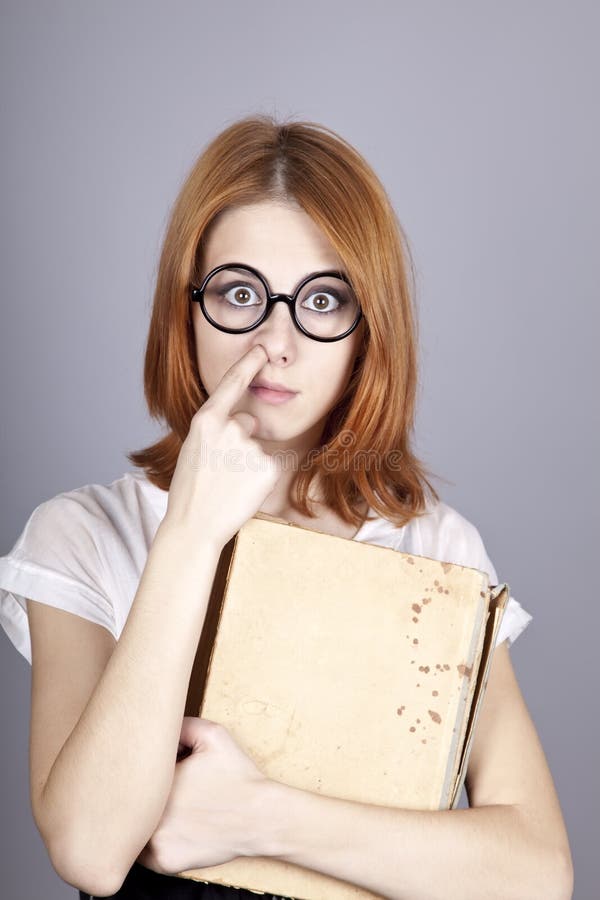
481	119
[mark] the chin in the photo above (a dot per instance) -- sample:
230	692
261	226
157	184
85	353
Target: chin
272	435
269	433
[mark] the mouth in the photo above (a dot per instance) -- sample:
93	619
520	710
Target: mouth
271	385
271	392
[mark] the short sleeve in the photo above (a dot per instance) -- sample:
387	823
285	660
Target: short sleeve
56	560
456	539
515	618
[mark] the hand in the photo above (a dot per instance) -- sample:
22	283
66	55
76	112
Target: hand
211	813
214	491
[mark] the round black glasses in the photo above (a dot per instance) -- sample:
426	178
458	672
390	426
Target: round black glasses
236	298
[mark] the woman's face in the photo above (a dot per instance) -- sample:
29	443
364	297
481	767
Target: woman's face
285	245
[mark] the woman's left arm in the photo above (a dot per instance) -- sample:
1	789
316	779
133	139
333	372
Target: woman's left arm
511	842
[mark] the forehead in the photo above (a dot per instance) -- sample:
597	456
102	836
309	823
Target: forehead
279	239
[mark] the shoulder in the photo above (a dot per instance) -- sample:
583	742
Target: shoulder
83	551
441	532
101	500
447	534
88	515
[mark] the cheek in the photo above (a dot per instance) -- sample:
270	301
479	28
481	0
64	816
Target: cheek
209	359
216	352
332	373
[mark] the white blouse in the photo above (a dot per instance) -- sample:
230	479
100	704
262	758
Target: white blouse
84	551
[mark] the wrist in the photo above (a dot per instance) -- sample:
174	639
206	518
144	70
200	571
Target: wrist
265	830
177	542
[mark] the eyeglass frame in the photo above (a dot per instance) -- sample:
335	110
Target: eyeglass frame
197	295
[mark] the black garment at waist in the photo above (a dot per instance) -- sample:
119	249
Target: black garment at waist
145	884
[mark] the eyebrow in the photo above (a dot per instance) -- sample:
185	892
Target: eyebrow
340	269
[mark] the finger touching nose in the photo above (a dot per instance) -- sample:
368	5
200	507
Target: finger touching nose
278	333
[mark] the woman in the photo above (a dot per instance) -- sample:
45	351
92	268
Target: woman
110	584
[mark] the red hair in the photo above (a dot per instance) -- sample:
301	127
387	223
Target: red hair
258	158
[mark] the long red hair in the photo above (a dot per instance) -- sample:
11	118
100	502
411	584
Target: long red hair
365	453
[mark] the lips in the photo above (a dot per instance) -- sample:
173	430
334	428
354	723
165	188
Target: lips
271	386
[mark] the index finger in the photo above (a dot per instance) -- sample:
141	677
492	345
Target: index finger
236	379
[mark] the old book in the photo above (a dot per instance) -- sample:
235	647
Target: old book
344	668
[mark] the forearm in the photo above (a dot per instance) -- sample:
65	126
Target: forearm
111	780
471	854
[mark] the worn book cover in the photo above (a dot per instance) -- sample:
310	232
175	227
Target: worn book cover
343	668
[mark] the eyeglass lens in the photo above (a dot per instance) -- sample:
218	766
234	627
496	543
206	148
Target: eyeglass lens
235	298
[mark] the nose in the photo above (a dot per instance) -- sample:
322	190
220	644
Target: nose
278	333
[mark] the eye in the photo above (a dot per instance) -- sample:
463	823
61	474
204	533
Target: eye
324	301
241	295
